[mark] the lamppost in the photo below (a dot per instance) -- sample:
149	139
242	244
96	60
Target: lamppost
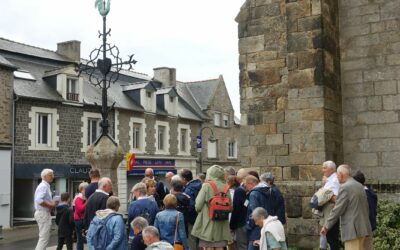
200	146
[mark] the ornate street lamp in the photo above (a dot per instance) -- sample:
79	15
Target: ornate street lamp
200	146
101	69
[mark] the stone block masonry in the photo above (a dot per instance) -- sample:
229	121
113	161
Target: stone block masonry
319	80
6	97
370	54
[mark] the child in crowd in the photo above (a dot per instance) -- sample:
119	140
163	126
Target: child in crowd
65	222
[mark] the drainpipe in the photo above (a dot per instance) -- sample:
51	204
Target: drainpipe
15	99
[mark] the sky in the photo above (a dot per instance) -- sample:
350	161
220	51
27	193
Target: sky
197	37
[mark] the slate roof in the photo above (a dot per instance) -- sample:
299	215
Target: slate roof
6	63
25	49
202	91
193	96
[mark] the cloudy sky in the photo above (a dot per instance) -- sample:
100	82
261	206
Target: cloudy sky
197	37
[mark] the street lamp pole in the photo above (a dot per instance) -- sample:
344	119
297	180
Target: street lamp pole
212	139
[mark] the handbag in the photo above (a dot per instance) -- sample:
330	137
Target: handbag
177	245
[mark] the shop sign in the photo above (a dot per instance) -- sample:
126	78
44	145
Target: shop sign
79	170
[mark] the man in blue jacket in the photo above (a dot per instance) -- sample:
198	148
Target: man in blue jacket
260	195
192	188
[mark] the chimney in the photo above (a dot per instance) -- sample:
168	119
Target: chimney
167	76
70	49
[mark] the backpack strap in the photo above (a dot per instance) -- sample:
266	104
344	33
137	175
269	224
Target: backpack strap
214	186
225	189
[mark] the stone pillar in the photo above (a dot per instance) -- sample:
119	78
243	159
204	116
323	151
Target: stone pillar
106	156
291	99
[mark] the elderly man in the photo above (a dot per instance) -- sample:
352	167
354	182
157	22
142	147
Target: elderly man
352	208
151	238
149	173
98	200
43	205
168	179
276	201
143	206
332	183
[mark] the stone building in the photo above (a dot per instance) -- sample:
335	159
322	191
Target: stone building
6	140
56	119
319	80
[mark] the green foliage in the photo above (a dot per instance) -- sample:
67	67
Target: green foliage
388	232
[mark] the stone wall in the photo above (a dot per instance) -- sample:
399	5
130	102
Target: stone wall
320	80
290	99
69	144
370	52
6	97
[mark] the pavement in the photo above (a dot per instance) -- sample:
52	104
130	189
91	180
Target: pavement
25	238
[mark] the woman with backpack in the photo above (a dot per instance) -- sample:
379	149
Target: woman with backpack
213	204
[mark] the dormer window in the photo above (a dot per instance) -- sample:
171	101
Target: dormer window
171	99
148	94
72	90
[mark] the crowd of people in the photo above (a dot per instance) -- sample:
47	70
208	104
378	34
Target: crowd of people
221	209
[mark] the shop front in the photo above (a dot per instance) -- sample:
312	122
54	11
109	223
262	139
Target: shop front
27	177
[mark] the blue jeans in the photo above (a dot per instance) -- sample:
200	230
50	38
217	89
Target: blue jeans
251	247
79	237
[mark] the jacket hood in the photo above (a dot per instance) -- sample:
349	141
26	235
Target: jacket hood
263	190
102	214
215	173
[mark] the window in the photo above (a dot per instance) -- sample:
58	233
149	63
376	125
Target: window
171	99
226	120
212	149
161	138
217	119
136	135
72	90
232	154
43	126
93	130
148	94
184	139
90	130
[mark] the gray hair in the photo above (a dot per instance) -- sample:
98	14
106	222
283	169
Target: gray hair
259	213
140	223
344	169
113	203
176	178
329	164
140	187
230	170
104	181
150	231
45	172
266	177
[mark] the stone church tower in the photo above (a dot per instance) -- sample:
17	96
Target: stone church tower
319	80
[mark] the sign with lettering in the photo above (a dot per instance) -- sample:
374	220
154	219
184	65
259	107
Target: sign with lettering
154	163
79	171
